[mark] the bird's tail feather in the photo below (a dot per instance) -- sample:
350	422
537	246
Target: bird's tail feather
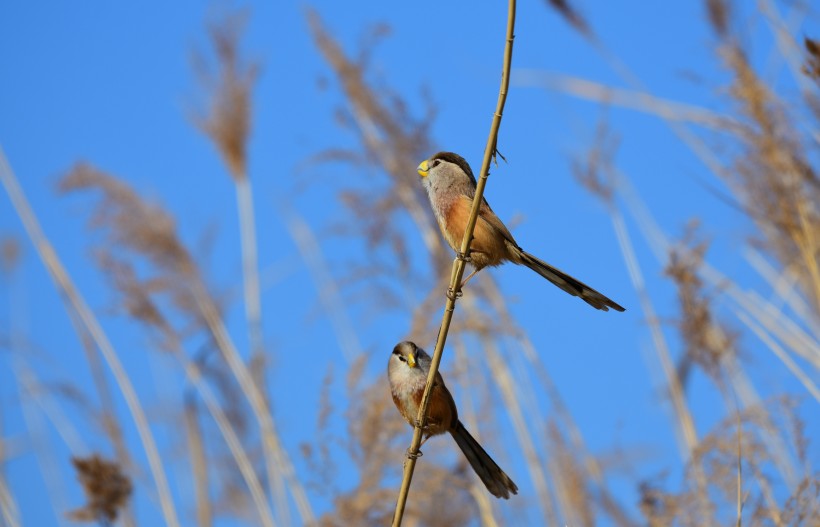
495	479
568	283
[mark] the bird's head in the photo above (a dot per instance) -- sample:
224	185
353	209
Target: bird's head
445	166
406	352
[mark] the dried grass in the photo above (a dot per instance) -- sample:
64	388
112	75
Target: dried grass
811	68
199	463
707	345
107	490
571	15
228	114
775	179
137	230
77	307
719	14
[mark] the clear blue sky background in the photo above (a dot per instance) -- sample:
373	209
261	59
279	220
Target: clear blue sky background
112	84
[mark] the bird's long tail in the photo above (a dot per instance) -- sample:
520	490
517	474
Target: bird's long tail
568	283
496	481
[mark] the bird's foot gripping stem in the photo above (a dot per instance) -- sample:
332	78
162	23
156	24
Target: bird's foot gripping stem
464	257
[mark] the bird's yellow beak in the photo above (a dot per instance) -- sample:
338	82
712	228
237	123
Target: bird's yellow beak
411	358
423	168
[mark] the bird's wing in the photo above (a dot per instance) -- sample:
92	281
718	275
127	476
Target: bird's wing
486	214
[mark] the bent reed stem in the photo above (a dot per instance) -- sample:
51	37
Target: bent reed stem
457	274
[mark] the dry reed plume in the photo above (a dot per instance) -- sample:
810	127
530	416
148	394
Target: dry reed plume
106	488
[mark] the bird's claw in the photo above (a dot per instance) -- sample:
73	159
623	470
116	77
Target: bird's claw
453	295
464	257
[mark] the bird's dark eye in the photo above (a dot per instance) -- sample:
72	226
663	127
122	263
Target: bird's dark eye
435	163
402	358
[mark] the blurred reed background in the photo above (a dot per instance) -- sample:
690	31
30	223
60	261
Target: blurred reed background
218	451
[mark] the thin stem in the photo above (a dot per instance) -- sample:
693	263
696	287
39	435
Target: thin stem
199	464
253	312
73	297
781	354
739	466
784	328
684	420
37	437
228	432
250	270
327	288
468	415
458	269
226	429
110	419
276	458
632	99
506	386
8	507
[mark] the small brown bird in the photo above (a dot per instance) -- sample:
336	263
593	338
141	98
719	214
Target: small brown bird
407	371
451	187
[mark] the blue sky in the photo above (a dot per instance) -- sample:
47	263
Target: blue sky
112	85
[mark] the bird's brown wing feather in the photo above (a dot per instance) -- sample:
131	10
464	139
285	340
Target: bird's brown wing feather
490	236
441	412
487	214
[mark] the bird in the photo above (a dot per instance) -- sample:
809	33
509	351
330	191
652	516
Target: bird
451	186
407	372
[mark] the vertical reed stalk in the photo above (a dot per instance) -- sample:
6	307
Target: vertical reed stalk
250	268
458	269
199	463
253	312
